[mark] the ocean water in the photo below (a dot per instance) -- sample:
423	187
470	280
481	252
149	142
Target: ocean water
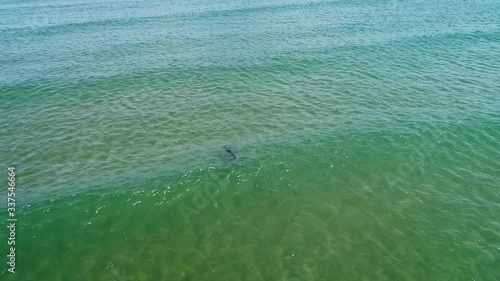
368	133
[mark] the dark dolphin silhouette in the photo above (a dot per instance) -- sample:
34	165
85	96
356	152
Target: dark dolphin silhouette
232	152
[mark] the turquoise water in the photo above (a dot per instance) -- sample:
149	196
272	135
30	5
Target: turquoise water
368	132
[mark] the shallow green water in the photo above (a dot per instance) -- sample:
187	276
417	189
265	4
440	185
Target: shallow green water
368	132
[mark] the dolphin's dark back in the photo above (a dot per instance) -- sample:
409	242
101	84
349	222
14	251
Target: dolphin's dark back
231	151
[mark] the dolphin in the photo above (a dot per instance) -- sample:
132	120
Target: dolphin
232	152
